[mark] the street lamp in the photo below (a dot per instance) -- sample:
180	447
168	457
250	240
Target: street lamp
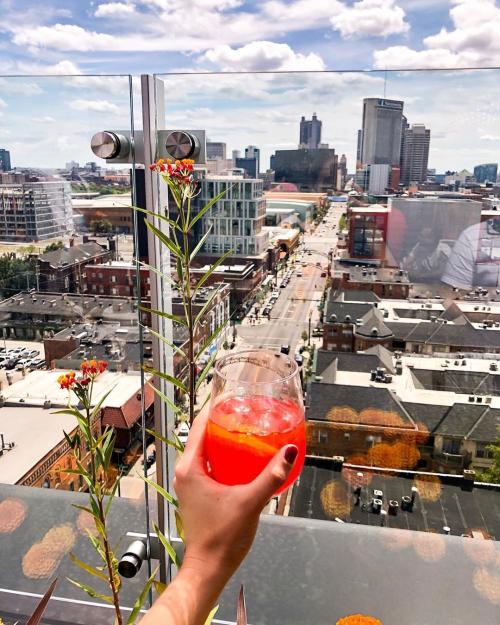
309	330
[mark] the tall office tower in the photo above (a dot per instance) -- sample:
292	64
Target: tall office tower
415	154
235	154
236	219
404	127
216	150
359	149
487	172
342	172
5	160
249	166
253	152
381	132
34	211
310	133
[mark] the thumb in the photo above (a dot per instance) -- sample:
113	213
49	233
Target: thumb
275	474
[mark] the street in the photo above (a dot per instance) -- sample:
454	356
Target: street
290	315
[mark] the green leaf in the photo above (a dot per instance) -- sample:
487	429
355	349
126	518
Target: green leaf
70	440
175	249
97	407
97	547
211	339
200	244
165	440
108	449
208	206
178	525
84	508
171	222
168	547
166	399
36	617
72	411
167	342
141	598
165	376
158	273
86	567
111	496
159	586
161	313
90	591
210	617
159	489
207	304
206	370
207	275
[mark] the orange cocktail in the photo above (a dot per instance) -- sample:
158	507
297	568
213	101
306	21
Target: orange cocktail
256	410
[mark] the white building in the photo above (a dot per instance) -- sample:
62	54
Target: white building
374	178
236	219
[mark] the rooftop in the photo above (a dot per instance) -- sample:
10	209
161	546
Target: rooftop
71	255
323	492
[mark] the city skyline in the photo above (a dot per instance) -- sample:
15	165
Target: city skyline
265	113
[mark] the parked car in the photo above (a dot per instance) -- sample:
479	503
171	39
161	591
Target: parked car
299	359
299	274
275	294
317	332
323	274
33	353
285	349
267	311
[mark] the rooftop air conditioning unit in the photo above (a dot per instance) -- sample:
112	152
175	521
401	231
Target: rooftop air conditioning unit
479	400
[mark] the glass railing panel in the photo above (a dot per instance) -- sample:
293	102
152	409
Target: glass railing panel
390	278
69	293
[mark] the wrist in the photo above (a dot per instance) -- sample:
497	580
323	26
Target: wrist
204	567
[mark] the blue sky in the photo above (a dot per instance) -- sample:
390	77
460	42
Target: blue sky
47	120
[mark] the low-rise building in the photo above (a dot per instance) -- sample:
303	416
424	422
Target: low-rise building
29	420
115	208
65	270
383	281
404	411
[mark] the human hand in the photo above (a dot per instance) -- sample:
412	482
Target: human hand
220	521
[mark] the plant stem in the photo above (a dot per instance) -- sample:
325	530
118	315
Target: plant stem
189	302
102	516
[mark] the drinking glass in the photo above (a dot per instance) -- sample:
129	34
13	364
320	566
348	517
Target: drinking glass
256	408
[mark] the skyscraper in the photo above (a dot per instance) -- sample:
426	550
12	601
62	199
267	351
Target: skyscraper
487	172
415	154
216	150
254	152
5	160
380	139
342	172
310	133
249	165
310	170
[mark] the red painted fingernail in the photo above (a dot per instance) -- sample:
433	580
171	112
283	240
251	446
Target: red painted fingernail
291	453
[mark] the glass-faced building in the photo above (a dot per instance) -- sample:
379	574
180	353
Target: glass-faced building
35	211
237	218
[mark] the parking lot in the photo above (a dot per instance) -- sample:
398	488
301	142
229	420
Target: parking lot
15	364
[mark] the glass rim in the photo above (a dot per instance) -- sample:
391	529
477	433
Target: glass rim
220	363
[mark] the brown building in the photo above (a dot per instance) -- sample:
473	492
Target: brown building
113	208
64	270
383	281
368	231
117	278
35	451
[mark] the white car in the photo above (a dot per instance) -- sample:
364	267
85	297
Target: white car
183	432
275	294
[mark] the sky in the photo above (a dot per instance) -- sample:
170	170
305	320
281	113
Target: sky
48	117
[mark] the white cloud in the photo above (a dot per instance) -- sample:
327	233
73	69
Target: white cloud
46	119
15	86
97	106
490	137
63	68
114	9
3	104
263	56
376	18
474	41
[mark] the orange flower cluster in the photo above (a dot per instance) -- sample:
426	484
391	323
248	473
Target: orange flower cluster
359	619
90	370
180	171
67	380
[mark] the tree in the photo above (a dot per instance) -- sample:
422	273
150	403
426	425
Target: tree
304	335
492	475
103	226
53	247
16	274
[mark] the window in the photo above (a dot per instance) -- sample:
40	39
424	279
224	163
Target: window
113	279
451	446
322	436
483	452
114	291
